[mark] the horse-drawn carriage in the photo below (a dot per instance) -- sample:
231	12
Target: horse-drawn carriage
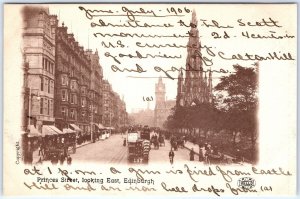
154	141
55	145
70	142
161	140
138	147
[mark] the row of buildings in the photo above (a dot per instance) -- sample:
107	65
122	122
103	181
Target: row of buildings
63	82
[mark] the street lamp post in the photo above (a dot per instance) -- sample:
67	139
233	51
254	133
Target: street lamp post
92	120
110	114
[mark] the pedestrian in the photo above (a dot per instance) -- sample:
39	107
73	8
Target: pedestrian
239	157
29	153
201	152
54	159
40	161
124	142
192	153
171	156
41	150
69	160
206	146
61	158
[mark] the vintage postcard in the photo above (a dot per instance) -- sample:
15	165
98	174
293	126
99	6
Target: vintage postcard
150	99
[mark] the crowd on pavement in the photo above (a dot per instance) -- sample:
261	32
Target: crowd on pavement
207	153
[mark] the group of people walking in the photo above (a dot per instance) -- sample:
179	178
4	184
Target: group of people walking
172	154
210	155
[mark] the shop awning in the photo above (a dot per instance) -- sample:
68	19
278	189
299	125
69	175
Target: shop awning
100	126
56	129
76	128
109	128
68	130
33	132
47	130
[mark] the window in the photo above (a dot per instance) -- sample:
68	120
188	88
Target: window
44	63
64	95
49	64
41	105
64	80
73	114
46	106
51	87
73	84
64	112
42	83
51	107
51	68
47	85
83	114
83	102
73	99
83	90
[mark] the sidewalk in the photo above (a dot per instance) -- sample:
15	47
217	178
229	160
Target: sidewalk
189	145
36	156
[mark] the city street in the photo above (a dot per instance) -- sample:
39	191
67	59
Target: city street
112	151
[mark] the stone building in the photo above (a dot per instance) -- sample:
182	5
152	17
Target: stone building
162	106
119	112
95	90
142	117
39	57
72	83
107	103
114	109
194	87
63	83
123	116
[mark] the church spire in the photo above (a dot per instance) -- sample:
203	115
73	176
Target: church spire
193	87
194	18
210	86
210	82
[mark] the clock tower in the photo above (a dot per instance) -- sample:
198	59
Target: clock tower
160	103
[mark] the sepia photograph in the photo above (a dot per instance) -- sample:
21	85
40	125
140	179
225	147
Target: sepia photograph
153	95
70	104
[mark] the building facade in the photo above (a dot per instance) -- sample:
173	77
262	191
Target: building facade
39	57
95	90
72	82
114	108
107	103
162	106
63	83
194	87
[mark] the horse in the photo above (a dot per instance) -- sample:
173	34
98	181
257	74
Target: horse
161	141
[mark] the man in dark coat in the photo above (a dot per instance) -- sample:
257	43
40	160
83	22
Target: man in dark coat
192	153
171	156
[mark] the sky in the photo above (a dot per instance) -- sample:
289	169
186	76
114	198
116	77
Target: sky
134	89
